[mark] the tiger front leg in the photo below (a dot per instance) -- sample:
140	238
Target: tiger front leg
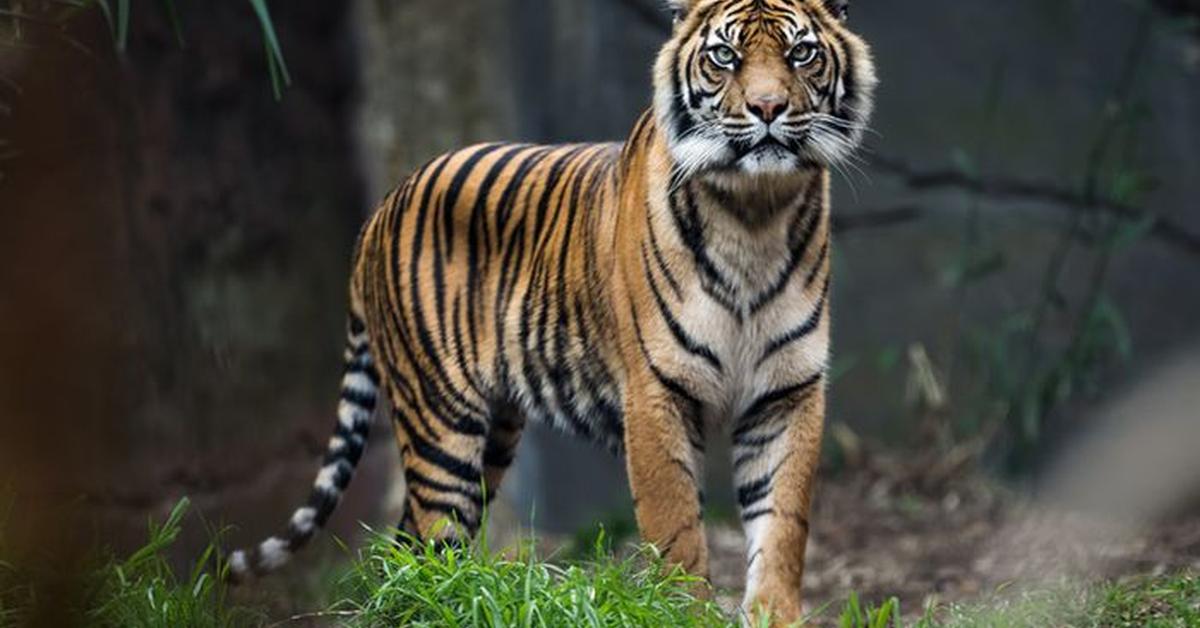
776	452
663	451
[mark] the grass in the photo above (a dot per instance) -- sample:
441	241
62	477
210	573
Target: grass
471	586
16	596
392	585
141	590
1169	601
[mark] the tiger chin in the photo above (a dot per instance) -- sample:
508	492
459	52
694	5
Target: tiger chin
640	295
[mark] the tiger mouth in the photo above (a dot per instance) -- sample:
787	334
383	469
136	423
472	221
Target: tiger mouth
769	144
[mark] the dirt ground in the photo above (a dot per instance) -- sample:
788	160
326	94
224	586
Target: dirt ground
896	530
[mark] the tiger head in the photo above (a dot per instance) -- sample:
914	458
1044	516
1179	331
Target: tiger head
762	87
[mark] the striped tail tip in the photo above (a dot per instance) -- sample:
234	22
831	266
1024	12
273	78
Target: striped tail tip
360	384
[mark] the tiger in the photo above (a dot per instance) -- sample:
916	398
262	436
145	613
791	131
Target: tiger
639	295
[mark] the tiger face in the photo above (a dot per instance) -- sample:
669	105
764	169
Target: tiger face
762	87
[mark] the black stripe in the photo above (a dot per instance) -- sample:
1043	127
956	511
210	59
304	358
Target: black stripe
364	368
804	330
433	378
324	503
424	336
454	189
661	260
753	492
364	400
807	220
436	456
684	340
454	513
357	326
690	228
682	394
751	515
479	221
760	441
763	405
414	477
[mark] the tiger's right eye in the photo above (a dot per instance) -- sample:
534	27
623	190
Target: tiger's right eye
723	55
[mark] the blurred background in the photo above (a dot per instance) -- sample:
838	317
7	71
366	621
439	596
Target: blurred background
1018	247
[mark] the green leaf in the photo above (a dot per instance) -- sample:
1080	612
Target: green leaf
122	24
276	64
172	13
108	16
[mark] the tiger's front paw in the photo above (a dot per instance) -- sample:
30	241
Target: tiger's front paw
774	612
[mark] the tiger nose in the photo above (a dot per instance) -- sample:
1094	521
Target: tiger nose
768	107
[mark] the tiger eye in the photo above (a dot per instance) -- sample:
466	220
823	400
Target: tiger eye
723	55
803	54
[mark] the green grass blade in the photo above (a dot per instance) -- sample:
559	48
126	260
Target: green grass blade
106	10
122	24
172	14
276	64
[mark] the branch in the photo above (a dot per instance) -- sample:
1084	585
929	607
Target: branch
1005	188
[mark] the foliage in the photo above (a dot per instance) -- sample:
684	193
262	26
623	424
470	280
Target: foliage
612	530
415	584
1164	602
15	595
1058	345
857	615
1171	601
118	15
141	590
392	585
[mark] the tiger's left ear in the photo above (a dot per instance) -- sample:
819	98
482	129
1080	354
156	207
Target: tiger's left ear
839	8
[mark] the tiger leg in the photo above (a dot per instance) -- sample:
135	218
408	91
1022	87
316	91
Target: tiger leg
775	462
443	476
663	459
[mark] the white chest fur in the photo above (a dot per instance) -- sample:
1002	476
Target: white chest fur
743	348
757	314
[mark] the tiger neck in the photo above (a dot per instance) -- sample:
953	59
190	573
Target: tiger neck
754	201
757	202
742	232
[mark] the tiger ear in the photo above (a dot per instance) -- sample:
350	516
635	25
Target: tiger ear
839	9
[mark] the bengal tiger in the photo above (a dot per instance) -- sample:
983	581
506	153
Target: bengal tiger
637	295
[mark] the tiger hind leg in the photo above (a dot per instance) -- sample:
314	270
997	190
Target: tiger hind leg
451	474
